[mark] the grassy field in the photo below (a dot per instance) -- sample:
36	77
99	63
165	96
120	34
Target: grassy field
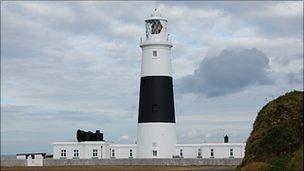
124	168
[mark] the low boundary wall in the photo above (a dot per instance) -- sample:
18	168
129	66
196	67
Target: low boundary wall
169	162
13	162
155	162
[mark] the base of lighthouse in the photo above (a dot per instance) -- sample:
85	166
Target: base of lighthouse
156	140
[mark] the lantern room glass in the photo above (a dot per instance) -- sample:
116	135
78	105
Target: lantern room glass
153	26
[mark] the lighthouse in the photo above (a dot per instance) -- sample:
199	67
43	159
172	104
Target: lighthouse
156	134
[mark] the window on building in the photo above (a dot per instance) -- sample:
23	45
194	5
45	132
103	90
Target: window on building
95	152
231	152
154	53
199	152
181	152
63	153
212	153
154	153
113	153
131	153
76	153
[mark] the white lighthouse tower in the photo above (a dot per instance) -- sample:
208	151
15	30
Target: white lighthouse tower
156	134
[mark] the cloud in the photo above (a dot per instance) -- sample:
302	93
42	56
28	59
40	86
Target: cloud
229	72
273	19
22	124
277	19
125	137
296	77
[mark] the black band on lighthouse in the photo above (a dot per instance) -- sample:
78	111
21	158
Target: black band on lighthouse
156	102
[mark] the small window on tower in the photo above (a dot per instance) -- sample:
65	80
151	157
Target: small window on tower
154	153
154	108
154	53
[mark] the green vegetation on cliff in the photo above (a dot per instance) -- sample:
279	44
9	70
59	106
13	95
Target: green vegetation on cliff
276	141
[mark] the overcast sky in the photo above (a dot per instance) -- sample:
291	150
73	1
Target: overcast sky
76	65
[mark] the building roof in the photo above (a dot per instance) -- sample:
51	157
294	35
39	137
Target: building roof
21	154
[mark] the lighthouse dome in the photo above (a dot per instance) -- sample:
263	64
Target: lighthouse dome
155	13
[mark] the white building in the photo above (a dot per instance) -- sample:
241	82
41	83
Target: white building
156	134
106	150
32	159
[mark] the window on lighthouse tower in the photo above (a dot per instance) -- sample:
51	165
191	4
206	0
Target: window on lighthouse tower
154	53
154	108
154	153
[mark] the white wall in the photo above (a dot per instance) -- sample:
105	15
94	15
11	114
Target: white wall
36	161
189	151
21	157
221	150
123	150
156	66
85	149
158	136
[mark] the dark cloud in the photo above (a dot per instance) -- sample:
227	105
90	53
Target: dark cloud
227	73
